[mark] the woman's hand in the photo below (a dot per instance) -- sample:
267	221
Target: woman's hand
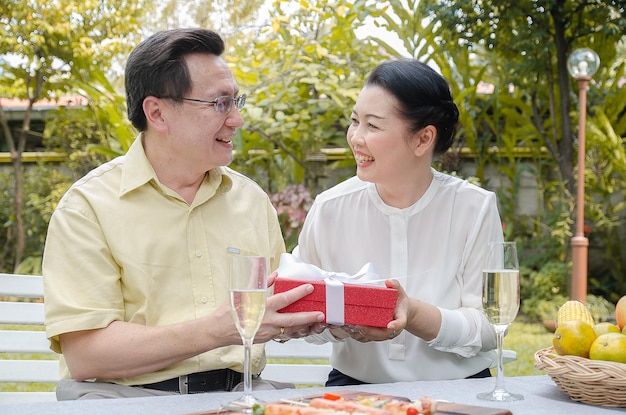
366	334
403	304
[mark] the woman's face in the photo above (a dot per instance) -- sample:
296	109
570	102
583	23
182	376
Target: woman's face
379	138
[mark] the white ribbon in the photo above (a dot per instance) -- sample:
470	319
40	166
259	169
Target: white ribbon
293	268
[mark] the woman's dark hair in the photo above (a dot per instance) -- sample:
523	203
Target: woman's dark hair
157	67
424	97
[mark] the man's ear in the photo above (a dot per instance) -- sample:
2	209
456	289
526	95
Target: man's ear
153	108
425	140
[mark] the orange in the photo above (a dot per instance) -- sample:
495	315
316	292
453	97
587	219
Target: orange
605	327
573	337
609	346
620	312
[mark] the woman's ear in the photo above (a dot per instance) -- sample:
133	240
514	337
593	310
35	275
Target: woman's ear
153	108
424	140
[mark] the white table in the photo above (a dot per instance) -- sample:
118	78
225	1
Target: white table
542	396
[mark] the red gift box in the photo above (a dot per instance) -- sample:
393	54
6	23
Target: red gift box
364	305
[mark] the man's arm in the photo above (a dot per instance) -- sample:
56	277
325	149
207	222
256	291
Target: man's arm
125	349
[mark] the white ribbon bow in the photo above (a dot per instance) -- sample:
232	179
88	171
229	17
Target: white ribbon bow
293	268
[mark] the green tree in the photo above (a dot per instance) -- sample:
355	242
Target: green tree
531	41
230	18
45	45
303	74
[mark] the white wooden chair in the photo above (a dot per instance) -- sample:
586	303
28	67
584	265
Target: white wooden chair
23	340
298	362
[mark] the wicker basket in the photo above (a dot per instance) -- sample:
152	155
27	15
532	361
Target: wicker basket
594	382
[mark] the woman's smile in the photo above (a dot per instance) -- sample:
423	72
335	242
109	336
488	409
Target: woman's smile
362	159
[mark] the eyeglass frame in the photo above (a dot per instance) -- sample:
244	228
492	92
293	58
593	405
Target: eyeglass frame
239	101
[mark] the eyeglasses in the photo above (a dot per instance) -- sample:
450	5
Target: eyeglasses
223	104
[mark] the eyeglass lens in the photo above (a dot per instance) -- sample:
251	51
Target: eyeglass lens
224	104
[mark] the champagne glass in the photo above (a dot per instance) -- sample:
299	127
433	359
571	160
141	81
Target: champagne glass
248	294
501	304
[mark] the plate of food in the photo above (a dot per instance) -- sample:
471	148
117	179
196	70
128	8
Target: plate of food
351	402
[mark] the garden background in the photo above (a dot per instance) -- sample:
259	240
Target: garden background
302	65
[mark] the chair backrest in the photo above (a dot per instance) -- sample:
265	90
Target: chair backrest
25	356
298	362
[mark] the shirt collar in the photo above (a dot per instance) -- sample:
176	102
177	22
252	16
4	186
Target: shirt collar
137	171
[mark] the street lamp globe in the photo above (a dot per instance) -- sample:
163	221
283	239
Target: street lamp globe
583	63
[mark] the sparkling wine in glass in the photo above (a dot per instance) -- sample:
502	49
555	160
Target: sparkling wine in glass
248	294
501	303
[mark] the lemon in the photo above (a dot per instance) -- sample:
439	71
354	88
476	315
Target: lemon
573	337
605	327
609	346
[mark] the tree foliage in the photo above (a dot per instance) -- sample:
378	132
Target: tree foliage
45	45
528	43
302	74
230	18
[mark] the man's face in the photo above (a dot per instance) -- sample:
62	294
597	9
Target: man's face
198	133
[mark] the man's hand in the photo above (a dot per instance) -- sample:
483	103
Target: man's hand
277	325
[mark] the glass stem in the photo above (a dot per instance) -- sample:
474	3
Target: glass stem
500	330
247	363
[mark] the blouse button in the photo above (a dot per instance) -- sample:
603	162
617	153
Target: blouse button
204	300
198	254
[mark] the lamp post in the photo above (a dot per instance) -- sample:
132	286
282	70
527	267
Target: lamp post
582	64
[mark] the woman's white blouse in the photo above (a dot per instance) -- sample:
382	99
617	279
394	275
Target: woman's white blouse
435	248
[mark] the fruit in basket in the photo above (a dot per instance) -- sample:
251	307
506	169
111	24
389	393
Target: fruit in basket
609	346
575	310
573	337
620	312
605	327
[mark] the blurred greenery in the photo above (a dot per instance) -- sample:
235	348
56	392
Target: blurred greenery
525	339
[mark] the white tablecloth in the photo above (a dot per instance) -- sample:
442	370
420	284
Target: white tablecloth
542	396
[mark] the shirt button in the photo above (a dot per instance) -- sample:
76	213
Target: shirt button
198	254
204	300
